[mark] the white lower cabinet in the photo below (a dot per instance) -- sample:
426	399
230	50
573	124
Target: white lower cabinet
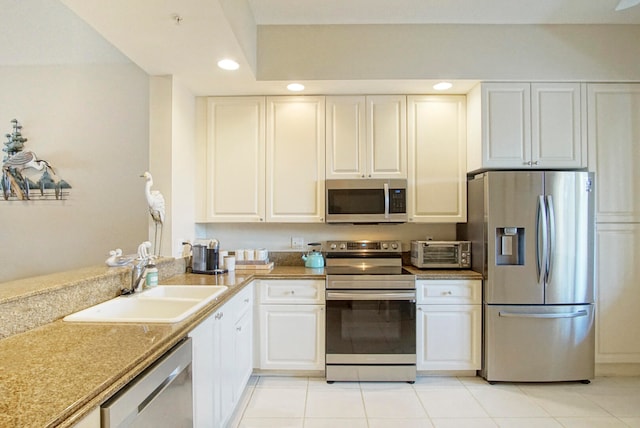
91	420
449	329
291	317
618	293
222	360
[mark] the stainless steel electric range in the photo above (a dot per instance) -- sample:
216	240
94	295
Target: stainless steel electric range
371	313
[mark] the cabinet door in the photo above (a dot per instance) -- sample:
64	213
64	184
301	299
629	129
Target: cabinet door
506	125
386	136
206	391
292	337
448	337
449	291
618	293
295	159
437	159
556	134
235	160
614	150
243	354
345	137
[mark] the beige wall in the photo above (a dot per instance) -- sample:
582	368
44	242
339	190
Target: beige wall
85	109
476	52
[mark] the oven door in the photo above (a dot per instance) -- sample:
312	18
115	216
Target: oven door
371	327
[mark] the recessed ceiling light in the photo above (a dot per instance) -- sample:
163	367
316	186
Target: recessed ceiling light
228	64
295	87
442	86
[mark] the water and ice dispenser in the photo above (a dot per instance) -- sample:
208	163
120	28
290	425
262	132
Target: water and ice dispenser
510	244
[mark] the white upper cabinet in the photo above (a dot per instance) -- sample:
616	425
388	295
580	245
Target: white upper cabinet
366	137
436	138
614	150
525	125
234	160
295	159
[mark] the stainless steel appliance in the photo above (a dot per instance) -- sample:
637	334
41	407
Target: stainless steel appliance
366	201
441	254
205	258
532	236
370	313
161	396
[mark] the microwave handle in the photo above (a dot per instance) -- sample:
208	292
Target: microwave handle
386	200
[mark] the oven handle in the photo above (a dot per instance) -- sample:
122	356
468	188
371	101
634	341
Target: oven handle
371	295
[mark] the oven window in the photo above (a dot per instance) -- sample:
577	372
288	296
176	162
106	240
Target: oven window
370	327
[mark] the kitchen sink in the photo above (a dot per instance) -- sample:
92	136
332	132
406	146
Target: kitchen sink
162	304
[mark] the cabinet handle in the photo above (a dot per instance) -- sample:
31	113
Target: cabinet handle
447	293
528	163
420	309
362	175
219	315
293	292
535	163
261	219
246	300
239	328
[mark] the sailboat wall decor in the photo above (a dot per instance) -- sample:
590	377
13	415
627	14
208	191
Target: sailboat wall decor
24	175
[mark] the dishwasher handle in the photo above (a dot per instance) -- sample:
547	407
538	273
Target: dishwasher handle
125	406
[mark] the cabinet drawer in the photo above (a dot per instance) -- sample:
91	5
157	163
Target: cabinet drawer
290	291
243	301
449	292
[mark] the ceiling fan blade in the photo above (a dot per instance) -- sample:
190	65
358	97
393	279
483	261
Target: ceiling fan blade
626	4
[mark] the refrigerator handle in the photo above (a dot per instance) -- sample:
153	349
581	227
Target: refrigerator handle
541	239
551	219
576	314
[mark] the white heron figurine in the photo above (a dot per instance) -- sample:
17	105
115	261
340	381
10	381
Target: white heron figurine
155	200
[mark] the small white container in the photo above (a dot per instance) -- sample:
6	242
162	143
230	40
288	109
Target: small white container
249	254
230	263
221	256
262	254
239	255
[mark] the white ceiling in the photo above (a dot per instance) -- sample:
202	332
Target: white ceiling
147	33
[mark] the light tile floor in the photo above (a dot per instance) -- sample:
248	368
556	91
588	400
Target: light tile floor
441	402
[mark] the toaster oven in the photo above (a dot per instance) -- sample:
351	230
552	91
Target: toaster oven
441	254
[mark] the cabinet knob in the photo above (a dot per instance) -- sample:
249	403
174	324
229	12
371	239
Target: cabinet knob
420	309
239	328
528	163
293	292
261	219
448	293
535	163
246	300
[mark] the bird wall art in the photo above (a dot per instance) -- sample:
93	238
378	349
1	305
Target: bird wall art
21	167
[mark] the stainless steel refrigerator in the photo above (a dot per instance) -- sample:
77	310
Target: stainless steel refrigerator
532	238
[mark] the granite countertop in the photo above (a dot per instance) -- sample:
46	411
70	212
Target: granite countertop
55	374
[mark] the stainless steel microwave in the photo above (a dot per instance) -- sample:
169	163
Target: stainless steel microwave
366	201
441	254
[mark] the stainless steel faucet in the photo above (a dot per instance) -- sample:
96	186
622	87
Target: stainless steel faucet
138	270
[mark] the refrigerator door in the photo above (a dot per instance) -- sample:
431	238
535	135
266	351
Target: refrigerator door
570	207
538	343
512	207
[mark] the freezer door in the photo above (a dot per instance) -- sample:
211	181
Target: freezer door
538	343
512	202
570	204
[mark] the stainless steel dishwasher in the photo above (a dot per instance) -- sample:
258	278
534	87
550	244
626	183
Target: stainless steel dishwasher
161	396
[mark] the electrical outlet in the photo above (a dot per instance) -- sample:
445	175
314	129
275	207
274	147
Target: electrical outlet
297	242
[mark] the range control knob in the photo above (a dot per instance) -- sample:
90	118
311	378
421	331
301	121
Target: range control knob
394	246
333	246
385	246
343	246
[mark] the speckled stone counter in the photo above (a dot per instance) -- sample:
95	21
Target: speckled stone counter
53	375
